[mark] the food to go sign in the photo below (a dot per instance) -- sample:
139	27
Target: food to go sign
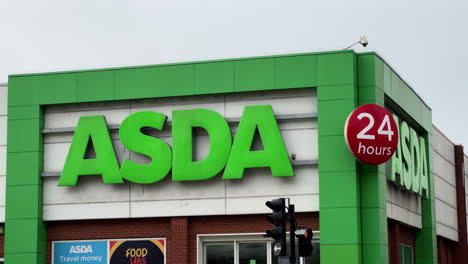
128	251
371	134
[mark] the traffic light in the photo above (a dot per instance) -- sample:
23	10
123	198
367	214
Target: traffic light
278	219
304	237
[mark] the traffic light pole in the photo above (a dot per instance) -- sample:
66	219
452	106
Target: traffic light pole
292	234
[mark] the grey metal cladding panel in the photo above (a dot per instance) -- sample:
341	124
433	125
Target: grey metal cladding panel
466	185
445	192
443	146
466	165
3	147
443	168
403	206
3	100
446	215
466	204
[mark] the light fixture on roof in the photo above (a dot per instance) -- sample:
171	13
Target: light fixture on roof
363	41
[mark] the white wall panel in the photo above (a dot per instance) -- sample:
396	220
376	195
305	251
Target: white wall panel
184	190
3	130
403	215
90	189
86	211
445	192
94	106
178	208
3	99
446	216
281	106
443	168
466	174
259	182
169	198
2	214
256	205
465	161
3	148
2	190
164	106
301	142
3	153
70	119
442	145
446	232
55	154
2	198
297	124
403	206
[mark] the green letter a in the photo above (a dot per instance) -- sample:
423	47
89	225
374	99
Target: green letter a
273	155
105	163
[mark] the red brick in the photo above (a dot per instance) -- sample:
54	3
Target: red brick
180	232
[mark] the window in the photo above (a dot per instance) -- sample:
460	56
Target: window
218	253
406	254
236	252
245	249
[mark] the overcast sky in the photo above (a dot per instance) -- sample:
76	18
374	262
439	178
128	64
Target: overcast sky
424	41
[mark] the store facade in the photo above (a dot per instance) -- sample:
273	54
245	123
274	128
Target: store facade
174	164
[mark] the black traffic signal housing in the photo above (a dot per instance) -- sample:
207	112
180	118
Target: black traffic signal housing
278	219
304	237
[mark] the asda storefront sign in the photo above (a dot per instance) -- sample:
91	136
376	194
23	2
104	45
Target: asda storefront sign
409	164
234	156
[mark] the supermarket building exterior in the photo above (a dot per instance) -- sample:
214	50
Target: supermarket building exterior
238	132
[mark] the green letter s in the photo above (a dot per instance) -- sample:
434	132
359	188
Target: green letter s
406	154
133	139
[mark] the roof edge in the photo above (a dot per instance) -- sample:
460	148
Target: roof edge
183	63
399	76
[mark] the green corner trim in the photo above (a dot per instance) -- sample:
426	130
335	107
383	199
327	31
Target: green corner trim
379	84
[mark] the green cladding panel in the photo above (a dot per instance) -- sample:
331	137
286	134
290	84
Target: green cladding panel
352	213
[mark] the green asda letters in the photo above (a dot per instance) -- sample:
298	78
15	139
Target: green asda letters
236	157
408	166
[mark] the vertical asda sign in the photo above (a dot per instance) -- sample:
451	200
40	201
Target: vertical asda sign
234	156
409	164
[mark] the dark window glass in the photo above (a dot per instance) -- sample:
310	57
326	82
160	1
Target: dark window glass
219	253
253	253
406	254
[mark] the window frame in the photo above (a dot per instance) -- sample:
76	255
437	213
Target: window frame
403	246
237	238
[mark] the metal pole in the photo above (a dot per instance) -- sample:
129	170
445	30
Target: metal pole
292	234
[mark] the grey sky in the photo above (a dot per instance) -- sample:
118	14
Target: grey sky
424	41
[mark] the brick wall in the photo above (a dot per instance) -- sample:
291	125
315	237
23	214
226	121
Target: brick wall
180	232
445	251
393	242
398	234
2	246
406	235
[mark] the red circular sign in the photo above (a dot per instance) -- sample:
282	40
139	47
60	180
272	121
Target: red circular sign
371	134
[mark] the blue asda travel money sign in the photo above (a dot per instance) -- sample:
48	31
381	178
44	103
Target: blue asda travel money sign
80	252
